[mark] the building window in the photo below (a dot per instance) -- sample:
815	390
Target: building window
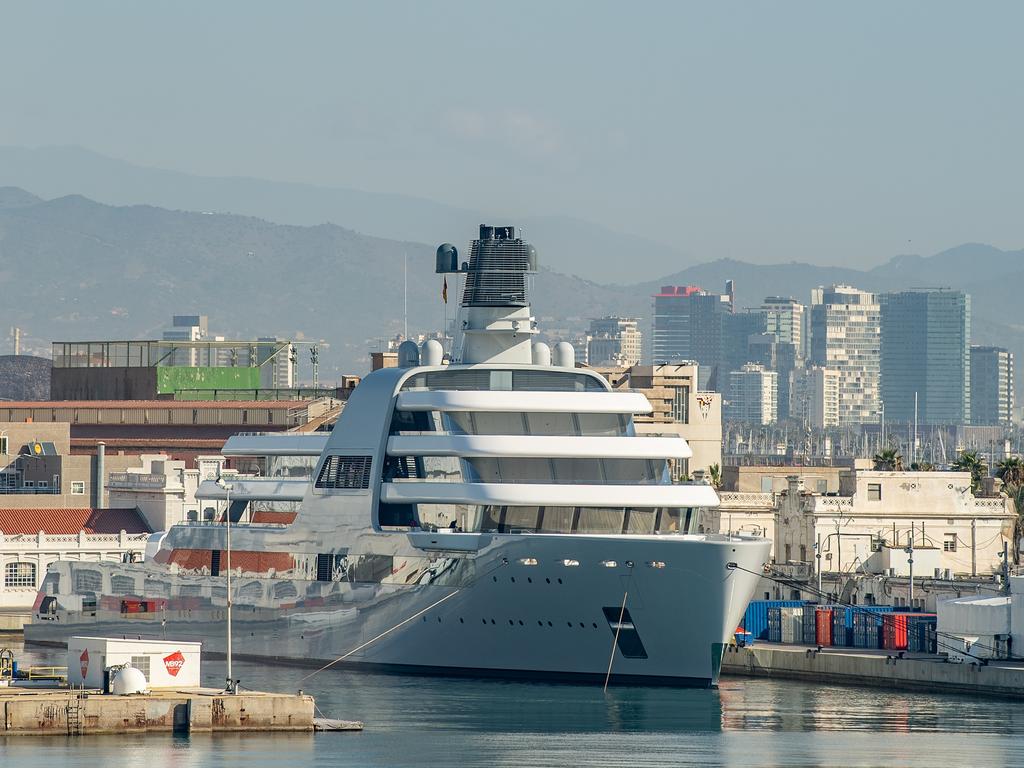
3	444
949	543
78	487
789	552
874	491
20	575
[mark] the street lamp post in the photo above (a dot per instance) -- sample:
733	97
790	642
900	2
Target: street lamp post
228	487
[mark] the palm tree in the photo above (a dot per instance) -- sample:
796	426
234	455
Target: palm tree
970	461
888	460
1011	471
922	466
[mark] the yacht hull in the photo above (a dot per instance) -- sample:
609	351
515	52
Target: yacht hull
654	609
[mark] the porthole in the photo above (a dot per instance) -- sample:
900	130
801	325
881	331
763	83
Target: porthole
492	621
461	620
559	581
529	580
582	625
595	625
569	623
513	579
511	623
540	623
438	619
521	623
484	620
548	580
549	623
494	578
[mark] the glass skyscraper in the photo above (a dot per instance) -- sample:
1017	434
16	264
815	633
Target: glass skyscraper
926	336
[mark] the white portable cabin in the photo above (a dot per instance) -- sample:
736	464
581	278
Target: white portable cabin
165	663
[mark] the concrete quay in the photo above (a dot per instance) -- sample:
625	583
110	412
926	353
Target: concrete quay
33	712
848	666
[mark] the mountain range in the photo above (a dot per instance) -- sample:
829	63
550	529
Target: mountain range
72	268
569	244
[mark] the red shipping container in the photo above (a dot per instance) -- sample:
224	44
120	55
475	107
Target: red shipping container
823	626
894	631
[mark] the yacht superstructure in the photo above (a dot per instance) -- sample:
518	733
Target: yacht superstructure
491	513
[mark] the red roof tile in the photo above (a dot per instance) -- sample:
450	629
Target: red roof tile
66	520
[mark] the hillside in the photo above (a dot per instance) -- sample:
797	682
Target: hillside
571	245
72	268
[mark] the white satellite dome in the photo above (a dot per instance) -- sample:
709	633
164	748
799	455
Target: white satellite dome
128	680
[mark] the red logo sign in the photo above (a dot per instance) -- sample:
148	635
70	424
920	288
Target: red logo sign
84	659
174	663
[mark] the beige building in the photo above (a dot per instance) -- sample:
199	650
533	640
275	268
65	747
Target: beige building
679	409
614	341
816	396
164	490
38	470
873	512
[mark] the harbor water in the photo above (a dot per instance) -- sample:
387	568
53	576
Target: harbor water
413	721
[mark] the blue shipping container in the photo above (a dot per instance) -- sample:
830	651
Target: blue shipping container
867	625
755	620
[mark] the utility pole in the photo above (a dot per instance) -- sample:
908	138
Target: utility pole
1006	570
910	551
817	555
227	493
314	356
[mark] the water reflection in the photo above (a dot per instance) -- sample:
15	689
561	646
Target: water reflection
413	721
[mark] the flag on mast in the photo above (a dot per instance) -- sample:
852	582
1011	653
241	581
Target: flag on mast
444	291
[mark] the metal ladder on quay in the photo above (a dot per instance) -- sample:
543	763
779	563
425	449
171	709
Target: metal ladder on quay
74	714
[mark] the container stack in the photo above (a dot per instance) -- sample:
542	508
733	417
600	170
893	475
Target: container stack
755	620
921	635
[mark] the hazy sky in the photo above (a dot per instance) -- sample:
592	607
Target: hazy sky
819	131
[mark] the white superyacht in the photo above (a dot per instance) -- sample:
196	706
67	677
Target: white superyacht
494	514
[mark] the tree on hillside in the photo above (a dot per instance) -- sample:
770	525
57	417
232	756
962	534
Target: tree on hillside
888	460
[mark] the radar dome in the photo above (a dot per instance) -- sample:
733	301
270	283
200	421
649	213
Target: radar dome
431	353
408	354
447	258
128	680
564	355
541	354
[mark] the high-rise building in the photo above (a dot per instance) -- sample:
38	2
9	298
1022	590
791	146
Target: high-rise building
754	395
925	356
671	333
690	324
845	336
816	396
784	317
992	400
614	341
